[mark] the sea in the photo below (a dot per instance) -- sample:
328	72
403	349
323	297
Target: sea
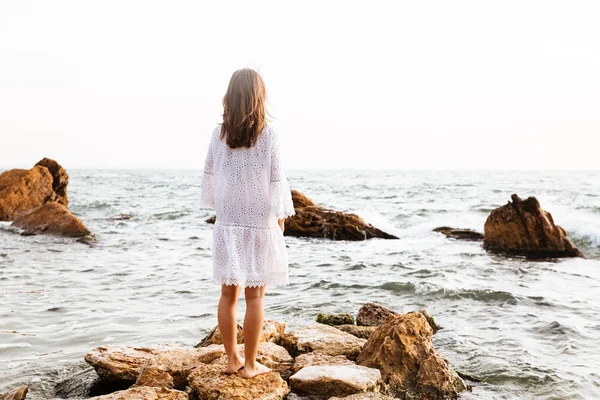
526	329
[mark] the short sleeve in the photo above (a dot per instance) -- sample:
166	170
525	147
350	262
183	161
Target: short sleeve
207	188
279	189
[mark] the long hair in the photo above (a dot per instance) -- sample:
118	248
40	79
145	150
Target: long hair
244	114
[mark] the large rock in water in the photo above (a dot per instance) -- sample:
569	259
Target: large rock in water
371	314
312	220
51	218
521	227
402	349
19	393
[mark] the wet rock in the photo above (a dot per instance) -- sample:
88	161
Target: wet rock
323	338
272	332
312	220
371	314
19	393
338	380
363	332
22	190
521	227
317	358
211	383
51	218
144	393
123	363
402	349
335	319
60	179
170	368
460	234
85	383
364	396
211	220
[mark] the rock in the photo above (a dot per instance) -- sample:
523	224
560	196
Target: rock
211	220
460	234
50	218
402	349
144	393
22	190
371	314
19	393
123	363
335	319
363	332
434	326
272	332
335	380
85	383
323	338
60	179
211	383
317	358
269	354
364	396
170	368
312	220
523	228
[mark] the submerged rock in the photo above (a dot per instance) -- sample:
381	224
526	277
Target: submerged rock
19	393
335	319
335	380
272	332
51	218
317	358
402	349
323	338
312	220
521	227
145	393
460	234
211	383
123	363
371	314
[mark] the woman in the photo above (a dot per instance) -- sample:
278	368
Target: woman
245	184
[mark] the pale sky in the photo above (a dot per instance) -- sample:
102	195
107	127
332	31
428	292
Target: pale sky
395	85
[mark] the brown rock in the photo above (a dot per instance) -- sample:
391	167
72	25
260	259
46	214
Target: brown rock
211	383
50	218
323	338
371	314
317	358
460	234
434	326
272	332
123	363
523	228
60	179
402	349
364	396
170	368
312	220
363	332
335	380
269	354
144	393
22	190
19	393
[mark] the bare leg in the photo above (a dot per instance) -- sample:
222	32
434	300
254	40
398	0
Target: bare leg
253	324
228	327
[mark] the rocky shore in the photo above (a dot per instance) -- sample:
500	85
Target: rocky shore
393	358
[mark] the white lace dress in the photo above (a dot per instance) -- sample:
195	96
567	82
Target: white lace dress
249	192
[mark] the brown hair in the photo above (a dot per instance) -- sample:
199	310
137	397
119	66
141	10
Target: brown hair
244	114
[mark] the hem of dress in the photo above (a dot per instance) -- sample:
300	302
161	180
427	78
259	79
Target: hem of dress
244	282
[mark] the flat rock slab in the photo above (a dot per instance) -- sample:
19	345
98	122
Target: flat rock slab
123	363
144	393
15	394
338	380
170	368
460	234
364	396
211	383
323	338
318	358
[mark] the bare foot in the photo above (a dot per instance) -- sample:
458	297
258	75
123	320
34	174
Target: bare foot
257	369
234	365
